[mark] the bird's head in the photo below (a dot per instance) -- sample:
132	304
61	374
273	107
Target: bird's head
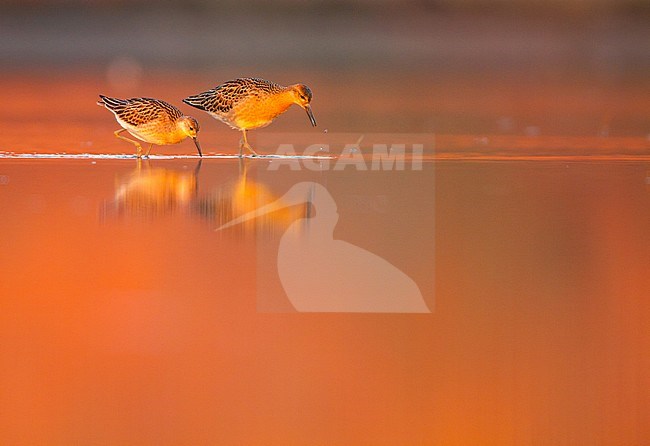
302	96
190	127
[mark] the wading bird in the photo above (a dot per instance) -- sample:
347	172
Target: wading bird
151	120
251	103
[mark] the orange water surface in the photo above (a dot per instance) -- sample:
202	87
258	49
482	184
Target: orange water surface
126	318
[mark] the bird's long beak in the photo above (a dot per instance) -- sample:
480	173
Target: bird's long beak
198	146
310	114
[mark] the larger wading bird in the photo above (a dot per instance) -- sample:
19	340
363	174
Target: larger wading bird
251	103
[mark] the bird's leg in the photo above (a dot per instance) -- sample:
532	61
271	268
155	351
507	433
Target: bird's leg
244	144
149	151
137	144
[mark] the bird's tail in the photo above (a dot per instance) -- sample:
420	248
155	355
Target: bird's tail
196	101
110	103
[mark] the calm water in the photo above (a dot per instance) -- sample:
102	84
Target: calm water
461	302
494	291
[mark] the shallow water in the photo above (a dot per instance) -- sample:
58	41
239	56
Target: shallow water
490	289
126	316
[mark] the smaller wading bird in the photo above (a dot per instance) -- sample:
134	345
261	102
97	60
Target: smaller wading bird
251	103
151	120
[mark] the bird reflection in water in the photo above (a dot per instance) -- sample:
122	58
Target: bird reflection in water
242	196
149	192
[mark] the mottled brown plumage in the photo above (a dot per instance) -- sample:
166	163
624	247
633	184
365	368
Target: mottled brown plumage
151	120
224	97
250	103
137	111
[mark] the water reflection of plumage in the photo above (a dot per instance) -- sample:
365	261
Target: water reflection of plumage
153	192
242	196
